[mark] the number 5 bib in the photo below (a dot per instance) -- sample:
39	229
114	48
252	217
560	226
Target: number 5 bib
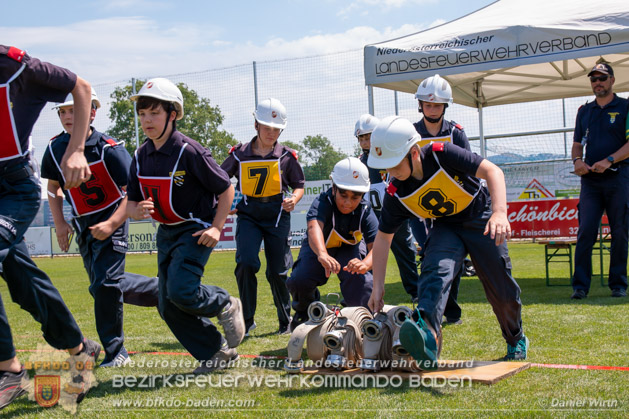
99	192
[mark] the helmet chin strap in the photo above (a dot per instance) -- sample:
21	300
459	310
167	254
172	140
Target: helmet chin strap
171	108
410	161
429	119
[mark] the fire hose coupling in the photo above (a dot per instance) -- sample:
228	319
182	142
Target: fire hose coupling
293	367
334	340
372	329
398	349
336	361
369	364
400	314
318	312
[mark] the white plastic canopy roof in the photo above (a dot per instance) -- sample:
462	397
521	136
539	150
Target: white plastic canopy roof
510	51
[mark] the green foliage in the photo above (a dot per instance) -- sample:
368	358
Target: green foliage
319	157
201	121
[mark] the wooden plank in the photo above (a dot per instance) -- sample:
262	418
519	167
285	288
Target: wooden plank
484	372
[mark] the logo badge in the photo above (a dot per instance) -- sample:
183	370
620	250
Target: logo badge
378	151
612	117
47	390
274	114
149	85
355	174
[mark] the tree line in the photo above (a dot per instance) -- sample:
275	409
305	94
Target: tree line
202	121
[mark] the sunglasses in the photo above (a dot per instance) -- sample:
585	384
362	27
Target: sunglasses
594	79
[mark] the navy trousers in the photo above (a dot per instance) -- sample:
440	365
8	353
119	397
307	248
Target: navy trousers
405	255
445	252
452	311
29	286
110	286
257	223
308	274
184	302
612	196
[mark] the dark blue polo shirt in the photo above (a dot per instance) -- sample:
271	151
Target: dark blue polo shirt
603	128
116	158
199	179
460	164
324	206
458	135
38	84
291	171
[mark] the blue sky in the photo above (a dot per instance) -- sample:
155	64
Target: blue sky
108	40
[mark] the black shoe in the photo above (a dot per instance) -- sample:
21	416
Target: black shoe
250	327
619	292
447	322
578	295
82	379
10	387
284	328
298	318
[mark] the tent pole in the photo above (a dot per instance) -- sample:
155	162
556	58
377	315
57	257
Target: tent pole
370	99
479	105
481	133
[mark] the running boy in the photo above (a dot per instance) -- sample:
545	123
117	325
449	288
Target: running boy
341	230
176	181
26	85
265	170
100	218
441	181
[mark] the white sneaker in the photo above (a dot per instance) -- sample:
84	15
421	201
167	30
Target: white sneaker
251	329
120	360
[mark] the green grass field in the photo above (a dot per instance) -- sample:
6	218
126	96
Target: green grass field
594	331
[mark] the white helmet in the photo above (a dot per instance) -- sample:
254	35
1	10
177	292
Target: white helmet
365	124
271	112
351	174
434	89
162	89
70	101
391	141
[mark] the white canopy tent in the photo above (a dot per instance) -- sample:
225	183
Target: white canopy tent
510	51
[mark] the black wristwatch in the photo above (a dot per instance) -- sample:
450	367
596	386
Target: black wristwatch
610	159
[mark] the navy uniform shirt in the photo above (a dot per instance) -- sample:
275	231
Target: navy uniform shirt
460	164
116	159
198	178
324	206
291	171
375	175
458	135
603	130
39	83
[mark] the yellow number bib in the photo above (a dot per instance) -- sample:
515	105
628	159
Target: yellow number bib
446	139
440	196
260	178
336	240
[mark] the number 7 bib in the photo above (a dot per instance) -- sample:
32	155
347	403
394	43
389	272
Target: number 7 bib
260	178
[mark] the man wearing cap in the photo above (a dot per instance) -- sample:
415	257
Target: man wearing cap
599	151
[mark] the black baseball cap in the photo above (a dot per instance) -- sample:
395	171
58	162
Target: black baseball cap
602	68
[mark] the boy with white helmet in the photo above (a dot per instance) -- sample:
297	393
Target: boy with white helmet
402	245
434	95
100	218
341	230
442	181
175	180
265	170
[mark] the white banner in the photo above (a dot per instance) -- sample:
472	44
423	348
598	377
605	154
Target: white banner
38	240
